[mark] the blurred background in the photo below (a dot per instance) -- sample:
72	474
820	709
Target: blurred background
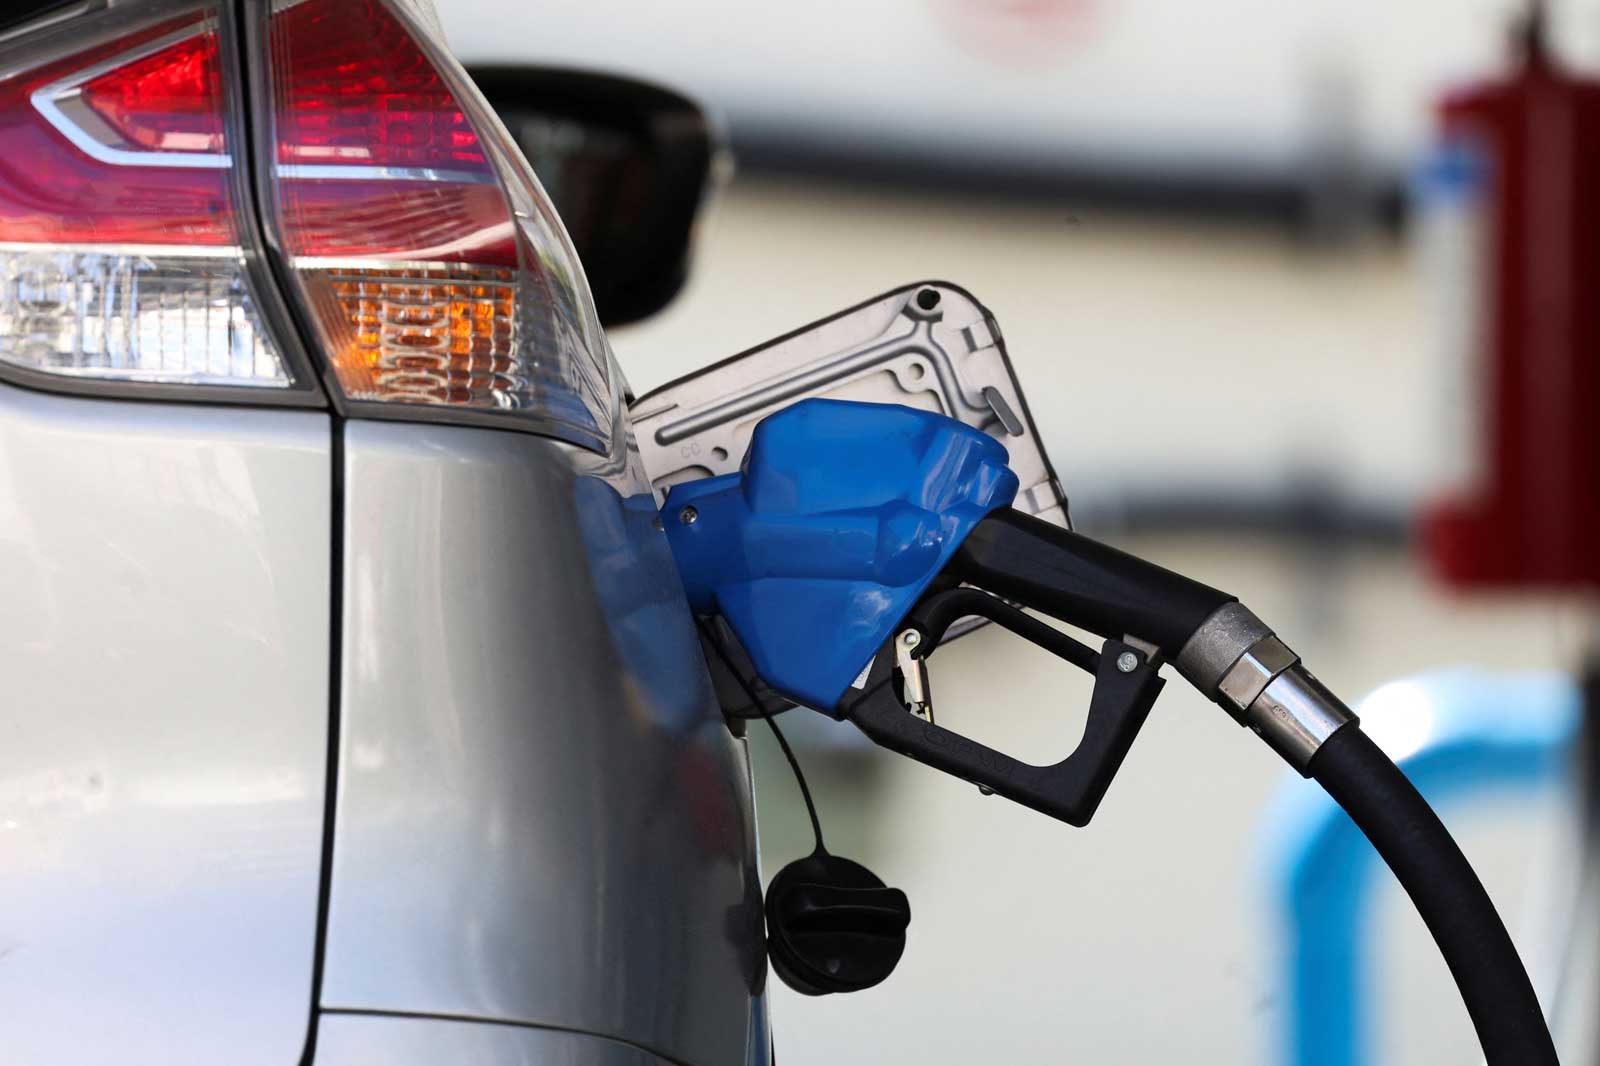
1210	234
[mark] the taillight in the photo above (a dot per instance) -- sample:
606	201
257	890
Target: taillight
431	273
429	262
121	255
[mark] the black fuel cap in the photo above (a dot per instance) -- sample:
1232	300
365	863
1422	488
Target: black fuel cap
833	926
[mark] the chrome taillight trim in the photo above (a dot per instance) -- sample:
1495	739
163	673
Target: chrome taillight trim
61	103
342	172
187	251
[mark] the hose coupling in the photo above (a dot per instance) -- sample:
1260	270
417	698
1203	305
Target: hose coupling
1239	663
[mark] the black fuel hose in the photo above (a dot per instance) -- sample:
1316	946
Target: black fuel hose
1447	893
1232	657
1213	640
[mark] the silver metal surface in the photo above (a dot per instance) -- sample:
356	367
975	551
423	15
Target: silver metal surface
1150	651
541	815
1295	714
362	172
1265	660
164	578
1218	644
186	251
367	1040
913	672
1127	662
948	357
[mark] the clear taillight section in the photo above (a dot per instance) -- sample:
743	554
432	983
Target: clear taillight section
432	265
120	257
135	317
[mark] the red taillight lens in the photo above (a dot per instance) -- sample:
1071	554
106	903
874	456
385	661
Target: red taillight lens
430	261
376	156
119	252
363	93
170	101
76	172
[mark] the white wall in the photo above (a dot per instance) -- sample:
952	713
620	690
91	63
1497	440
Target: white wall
1233	84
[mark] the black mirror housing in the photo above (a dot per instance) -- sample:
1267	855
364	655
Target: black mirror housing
627	165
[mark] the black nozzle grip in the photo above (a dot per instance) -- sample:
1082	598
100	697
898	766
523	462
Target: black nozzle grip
1083	582
1126	685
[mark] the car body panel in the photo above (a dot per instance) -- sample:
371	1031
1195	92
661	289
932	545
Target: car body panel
164	634
378	1040
541	816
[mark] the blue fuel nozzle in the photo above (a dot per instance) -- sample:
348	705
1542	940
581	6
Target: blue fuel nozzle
840	517
856	535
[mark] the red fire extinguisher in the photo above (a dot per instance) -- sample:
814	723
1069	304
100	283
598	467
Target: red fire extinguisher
1511	200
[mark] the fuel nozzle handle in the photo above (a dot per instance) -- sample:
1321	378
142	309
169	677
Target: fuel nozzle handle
1214	641
1083	582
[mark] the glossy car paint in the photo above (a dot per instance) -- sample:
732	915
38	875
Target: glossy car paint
164	634
543	849
367	1040
541	815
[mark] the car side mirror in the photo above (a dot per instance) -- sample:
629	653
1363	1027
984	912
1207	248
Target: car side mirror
626	163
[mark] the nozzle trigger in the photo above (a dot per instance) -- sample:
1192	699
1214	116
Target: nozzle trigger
1127	683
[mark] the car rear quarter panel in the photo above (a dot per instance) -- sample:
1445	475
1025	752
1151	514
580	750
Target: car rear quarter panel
164	634
541	816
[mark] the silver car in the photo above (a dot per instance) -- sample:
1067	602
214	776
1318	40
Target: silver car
351	709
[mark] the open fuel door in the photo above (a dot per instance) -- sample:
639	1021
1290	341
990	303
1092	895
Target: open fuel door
930	345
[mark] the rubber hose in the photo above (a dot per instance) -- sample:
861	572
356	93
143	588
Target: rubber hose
1447	893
